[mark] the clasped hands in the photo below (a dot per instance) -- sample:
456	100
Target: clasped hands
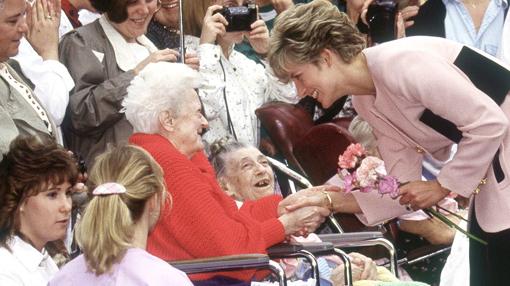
305	211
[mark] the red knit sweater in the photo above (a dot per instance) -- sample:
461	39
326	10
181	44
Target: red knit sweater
203	220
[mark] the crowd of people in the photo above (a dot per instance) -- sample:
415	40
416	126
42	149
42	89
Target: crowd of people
127	143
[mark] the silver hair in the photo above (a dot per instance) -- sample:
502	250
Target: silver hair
362	132
161	86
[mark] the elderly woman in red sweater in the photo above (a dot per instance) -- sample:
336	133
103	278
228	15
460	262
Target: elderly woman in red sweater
166	115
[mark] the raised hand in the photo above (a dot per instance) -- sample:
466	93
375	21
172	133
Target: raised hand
213	26
408	13
43	20
259	37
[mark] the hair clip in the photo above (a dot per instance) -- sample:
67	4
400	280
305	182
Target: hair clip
109	189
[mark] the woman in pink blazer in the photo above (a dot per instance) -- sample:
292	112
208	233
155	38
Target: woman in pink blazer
421	95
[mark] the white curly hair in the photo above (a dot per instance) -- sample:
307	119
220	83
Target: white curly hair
158	87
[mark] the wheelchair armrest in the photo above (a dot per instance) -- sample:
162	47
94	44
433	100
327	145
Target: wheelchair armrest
285	249
222	263
350	236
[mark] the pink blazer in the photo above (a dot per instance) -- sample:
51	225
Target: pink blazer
418	73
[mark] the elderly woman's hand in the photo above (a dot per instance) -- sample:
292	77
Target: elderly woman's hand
158	56
214	25
306	219
422	194
309	197
43	20
366	264
363	268
259	37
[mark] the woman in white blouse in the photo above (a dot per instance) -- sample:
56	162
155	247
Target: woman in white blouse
234	85
35	208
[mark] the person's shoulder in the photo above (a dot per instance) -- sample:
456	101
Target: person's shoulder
155	271
6	257
69	271
84	35
410	53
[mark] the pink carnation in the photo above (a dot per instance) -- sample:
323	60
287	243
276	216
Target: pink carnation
389	185
349	181
347	161
369	171
356	149
351	156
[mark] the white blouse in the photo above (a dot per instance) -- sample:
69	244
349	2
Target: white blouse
246	86
25	266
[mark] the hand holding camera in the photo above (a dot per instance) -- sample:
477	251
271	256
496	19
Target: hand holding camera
213	26
219	20
385	21
259	37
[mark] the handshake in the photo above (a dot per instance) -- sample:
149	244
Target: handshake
303	212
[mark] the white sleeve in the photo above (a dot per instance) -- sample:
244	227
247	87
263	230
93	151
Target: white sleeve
504	47
211	71
51	79
277	90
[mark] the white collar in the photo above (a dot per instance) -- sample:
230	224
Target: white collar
124	56
503	3
27	255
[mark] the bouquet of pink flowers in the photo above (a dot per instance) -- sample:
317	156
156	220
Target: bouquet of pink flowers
363	173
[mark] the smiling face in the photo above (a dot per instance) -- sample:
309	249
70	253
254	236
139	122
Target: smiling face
12	27
248	175
45	216
168	14
324	79
139	14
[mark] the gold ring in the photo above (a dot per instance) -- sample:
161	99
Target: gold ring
48	17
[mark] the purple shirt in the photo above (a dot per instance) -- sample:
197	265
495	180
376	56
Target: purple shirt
138	267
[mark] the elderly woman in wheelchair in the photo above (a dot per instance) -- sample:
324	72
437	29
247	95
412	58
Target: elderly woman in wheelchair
165	111
245	174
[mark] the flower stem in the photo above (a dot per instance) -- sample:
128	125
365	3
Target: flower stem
448	222
452	213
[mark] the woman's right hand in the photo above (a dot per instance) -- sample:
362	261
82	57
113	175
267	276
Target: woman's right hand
213	26
157	56
43	20
306	219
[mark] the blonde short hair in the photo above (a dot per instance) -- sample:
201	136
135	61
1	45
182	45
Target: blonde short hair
301	33
106	229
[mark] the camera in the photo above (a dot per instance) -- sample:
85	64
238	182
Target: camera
381	18
239	18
